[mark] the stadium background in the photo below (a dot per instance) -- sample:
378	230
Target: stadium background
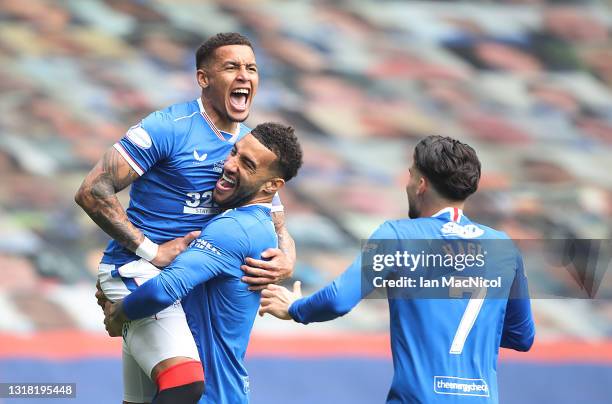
528	83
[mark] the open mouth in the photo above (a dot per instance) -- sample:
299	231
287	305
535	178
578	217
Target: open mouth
226	183
239	97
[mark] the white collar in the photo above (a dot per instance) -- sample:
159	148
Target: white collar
455	214
215	129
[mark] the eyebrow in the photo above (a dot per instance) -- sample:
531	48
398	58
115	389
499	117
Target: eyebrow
251	165
236	63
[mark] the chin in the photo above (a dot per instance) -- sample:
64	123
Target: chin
240	118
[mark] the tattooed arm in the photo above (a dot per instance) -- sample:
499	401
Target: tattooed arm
260	273
97	196
285	241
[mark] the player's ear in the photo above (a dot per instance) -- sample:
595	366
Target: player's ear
202	78
422	186
273	185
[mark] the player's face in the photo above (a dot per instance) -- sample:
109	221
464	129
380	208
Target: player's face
414	210
246	171
232	82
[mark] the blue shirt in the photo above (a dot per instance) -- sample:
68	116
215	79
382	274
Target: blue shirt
219	307
179	155
433	361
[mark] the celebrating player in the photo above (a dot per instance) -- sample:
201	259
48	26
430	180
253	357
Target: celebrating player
220	308
444	350
174	158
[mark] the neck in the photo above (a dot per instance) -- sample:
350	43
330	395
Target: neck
220	122
260	199
436	206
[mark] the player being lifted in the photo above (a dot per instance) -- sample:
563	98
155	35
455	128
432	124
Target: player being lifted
444	350
221	310
173	159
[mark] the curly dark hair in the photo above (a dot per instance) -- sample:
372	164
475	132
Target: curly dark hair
452	167
282	141
207	49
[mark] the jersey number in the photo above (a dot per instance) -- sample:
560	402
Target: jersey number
196	199
469	316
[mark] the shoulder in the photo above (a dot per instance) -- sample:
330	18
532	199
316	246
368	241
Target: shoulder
248	218
180	111
491	233
169	121
405	228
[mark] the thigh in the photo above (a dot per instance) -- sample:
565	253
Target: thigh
154	339
137	386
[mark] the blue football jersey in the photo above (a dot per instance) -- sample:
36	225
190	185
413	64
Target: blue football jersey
179	154
444	349
219	307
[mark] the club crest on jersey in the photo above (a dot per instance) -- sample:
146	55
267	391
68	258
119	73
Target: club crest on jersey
467	231
218	166
139	136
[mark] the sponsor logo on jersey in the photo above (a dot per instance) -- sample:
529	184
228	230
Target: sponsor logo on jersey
204	245
199	157
460	386
463	231
139	136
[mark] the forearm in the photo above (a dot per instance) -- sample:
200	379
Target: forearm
110	216
519	329
147	300
286	244
97	196
325	305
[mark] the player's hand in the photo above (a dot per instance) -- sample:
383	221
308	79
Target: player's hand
262	273
168	251
100	296
114	319
276	300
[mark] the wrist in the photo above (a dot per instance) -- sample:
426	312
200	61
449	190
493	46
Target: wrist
147	249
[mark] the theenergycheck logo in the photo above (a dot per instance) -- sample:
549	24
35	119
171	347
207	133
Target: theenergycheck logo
460	386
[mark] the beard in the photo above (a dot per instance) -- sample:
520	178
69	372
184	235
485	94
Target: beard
413	211
241	196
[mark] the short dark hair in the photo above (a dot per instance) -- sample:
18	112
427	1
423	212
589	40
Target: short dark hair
207	49
282	141
451	166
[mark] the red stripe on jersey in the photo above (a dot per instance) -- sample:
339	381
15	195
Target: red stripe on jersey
212	125
455	215
130	157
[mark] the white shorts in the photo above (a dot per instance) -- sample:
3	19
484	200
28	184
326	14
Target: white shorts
147	341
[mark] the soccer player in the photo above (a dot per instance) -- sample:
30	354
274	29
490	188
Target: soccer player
220	309
173	159
444	350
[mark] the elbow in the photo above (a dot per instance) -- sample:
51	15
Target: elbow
83	197
339	309
522	343
80	196
526	343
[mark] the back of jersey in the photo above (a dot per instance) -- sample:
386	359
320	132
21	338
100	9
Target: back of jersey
446	326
